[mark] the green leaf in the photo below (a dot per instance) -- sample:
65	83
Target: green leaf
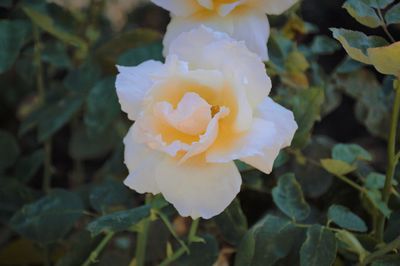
344	218
322	45
377	181
392	16
306	107
392	230
109	52
376	199
350	243
13	34
102	106
349	153
13	195
232	223
29	165
363	13
108	195
348	65
85	146
47	24
84	78
136	56
337	167
289	198
55	53
270	240
356	43
385	59
118	221
50	218
201	253
9	150
320	247
56	115
378	3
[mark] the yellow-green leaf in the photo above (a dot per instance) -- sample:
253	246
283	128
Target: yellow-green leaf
356	43
386	59
337	167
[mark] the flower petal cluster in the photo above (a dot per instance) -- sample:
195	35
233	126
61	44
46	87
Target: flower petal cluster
205	107
244	20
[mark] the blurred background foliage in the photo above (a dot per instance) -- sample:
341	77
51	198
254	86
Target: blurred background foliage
62	201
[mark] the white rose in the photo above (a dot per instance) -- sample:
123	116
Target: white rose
195	114
244	20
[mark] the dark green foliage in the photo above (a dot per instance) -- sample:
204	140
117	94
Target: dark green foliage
319	249
270	240
343	217
50	218
232	223
288	196
118	221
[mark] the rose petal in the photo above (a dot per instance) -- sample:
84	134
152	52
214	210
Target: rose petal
133	83
286	127
140	161
202	48
196	188
227	147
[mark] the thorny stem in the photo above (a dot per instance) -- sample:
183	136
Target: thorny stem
392	161
42	95
95	253
142	238
179	252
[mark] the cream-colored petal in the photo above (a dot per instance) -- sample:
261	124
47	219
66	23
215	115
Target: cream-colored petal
179	25
273	7
191	116
133	83
196	188
264	162
207	49
286	127
209	4
225	9
140	161
145	131
282	118
208	138
254	29
179	7
261	135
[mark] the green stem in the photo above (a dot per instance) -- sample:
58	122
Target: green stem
384	27
391	153
351	183
379	253
193	230
179	252
95	253
142	239
42	95
168	224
